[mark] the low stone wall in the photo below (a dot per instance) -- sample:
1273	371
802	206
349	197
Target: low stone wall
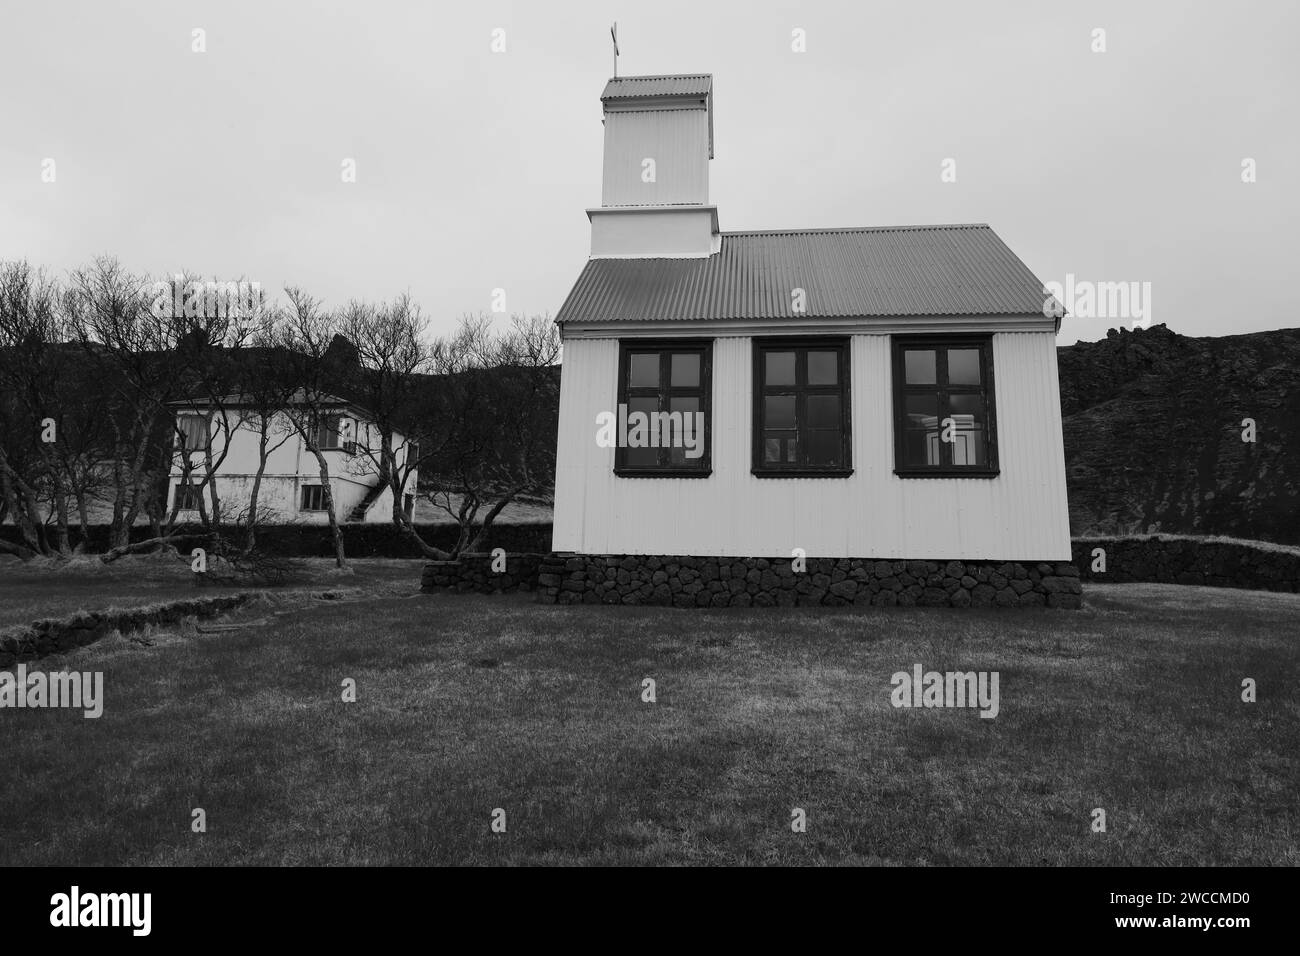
53	636
473	572
373	540
1171	559
766	582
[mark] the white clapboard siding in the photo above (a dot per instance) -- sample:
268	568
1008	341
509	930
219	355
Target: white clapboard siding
1019	515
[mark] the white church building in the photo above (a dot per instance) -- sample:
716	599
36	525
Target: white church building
885	392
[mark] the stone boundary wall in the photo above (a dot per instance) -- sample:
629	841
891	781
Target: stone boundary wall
680	581
473	572
1171	559
374	540
26	642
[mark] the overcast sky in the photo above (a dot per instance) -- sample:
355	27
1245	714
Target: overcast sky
473	168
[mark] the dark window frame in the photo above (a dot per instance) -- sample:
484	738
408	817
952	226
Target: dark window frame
899	344
203	432
704	391
801	390
323	429
188	496
302	498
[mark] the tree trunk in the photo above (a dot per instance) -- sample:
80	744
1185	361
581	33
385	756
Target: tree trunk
490	517
62	541
327	492
22	551
250	536
114	553
22	506
83	517
429	551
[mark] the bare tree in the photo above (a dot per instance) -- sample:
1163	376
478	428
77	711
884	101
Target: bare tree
131	350
308	336
394	385
266	389
50	422
210	359
490	426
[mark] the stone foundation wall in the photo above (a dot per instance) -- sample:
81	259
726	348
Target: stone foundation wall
767	582
40	638
1176	560
473	572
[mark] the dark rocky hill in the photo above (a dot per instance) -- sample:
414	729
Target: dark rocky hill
1153	434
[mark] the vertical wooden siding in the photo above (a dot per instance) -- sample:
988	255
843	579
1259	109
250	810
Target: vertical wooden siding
1020	515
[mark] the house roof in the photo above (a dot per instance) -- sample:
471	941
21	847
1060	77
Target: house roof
884	271
636	87
299	397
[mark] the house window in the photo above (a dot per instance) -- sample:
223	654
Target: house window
313	498
187	497
801	408
412	455
194	432
943	407
664	396
408	506
327	432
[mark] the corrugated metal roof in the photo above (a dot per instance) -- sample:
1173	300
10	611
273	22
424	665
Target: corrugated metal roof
635	87
888	271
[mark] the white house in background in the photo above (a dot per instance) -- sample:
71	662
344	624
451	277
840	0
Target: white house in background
880	392
291	488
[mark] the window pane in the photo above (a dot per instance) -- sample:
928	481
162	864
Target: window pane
921	430
195	433
969	445
686	444
966	404
823	447
963	367
918	366
920	447
778	411
779	368
643	370
921	410
327	436
780	446
639	432
823	411
686	370
823	368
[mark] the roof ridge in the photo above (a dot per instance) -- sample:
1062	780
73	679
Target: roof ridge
662	76
912	228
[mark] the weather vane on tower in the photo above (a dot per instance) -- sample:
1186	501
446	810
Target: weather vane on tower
613	32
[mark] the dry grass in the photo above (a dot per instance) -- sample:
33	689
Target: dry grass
468	703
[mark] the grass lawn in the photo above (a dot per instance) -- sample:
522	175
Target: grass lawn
468	703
